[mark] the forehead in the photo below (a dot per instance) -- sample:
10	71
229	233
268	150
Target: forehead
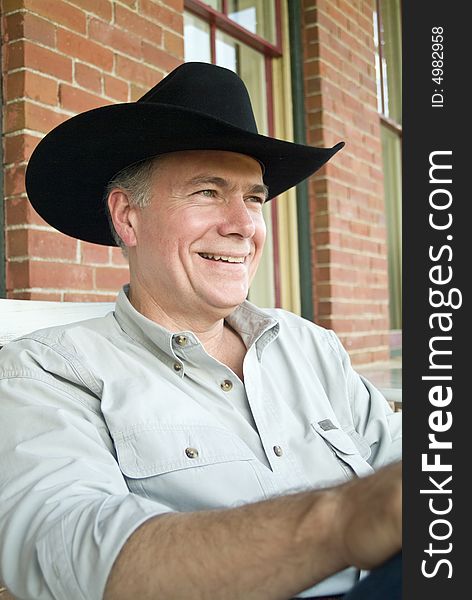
185	165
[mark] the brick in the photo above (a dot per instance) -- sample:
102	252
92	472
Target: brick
13	27
369	357
35	295
42	89
111	278
117	257
94	254
14	149
137	72
360	342
46	274
40	244
14	182
137	25
18	148
25	115
101	8
24	53
16	211
39	30
177	5
17	275
31	85
163	15
51	244
115	38
16	243
174	44
83	49
88	297
116	88
75	100
11	5
61	13
136	91
159	58
359	325
88	77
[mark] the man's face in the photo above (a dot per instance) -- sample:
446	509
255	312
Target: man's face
199	242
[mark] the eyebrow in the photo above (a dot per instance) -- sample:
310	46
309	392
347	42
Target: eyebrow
257	188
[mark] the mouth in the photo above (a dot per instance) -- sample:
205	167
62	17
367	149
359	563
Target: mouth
222	258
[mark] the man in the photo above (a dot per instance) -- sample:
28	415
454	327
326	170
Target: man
188	445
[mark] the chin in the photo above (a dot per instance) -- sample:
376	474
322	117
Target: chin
226	296
227	303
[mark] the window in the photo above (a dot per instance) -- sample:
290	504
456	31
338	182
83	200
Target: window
246	37
387	37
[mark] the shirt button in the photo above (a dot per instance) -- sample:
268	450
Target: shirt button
191	452
181	340
227	385
177	367
278	451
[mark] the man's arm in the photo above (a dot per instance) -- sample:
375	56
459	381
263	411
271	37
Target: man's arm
268	550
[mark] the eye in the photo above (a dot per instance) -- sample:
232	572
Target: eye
256	199
207	193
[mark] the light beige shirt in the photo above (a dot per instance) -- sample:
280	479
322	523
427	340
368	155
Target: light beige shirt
108	422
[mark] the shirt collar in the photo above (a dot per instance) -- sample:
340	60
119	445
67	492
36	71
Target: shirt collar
254	325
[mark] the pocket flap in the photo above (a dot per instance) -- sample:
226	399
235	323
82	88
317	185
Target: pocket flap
336	437
352	453
155	449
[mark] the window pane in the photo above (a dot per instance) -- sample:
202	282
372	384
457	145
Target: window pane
196	39
257	16
250	66
216	4
391	25
391	154
262	290
388	58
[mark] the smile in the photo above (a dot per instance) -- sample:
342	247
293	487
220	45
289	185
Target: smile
230	259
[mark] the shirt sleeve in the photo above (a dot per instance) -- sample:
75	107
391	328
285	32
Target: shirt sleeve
65	509
373	417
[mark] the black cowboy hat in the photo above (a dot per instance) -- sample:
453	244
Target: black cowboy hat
196	107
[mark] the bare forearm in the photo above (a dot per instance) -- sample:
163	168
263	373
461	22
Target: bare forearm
255	551
266	551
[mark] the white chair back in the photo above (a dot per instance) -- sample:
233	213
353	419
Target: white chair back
18	317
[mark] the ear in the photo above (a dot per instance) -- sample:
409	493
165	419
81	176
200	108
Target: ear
123	215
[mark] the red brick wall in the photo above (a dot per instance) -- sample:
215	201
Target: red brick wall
346	197
59	58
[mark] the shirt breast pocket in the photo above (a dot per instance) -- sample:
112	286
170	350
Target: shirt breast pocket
350	448
188	467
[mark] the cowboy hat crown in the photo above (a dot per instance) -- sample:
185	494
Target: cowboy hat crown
198	106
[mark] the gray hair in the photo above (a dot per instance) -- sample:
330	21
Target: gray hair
136	181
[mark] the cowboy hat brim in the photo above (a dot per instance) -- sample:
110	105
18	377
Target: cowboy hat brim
70	168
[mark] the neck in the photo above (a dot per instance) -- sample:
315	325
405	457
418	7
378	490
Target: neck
218	338
207	327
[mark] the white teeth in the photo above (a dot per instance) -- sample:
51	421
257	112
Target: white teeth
231	259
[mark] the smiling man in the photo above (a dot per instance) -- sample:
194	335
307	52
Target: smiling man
195	247
189	444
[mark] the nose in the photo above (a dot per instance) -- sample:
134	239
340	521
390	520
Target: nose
238	219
